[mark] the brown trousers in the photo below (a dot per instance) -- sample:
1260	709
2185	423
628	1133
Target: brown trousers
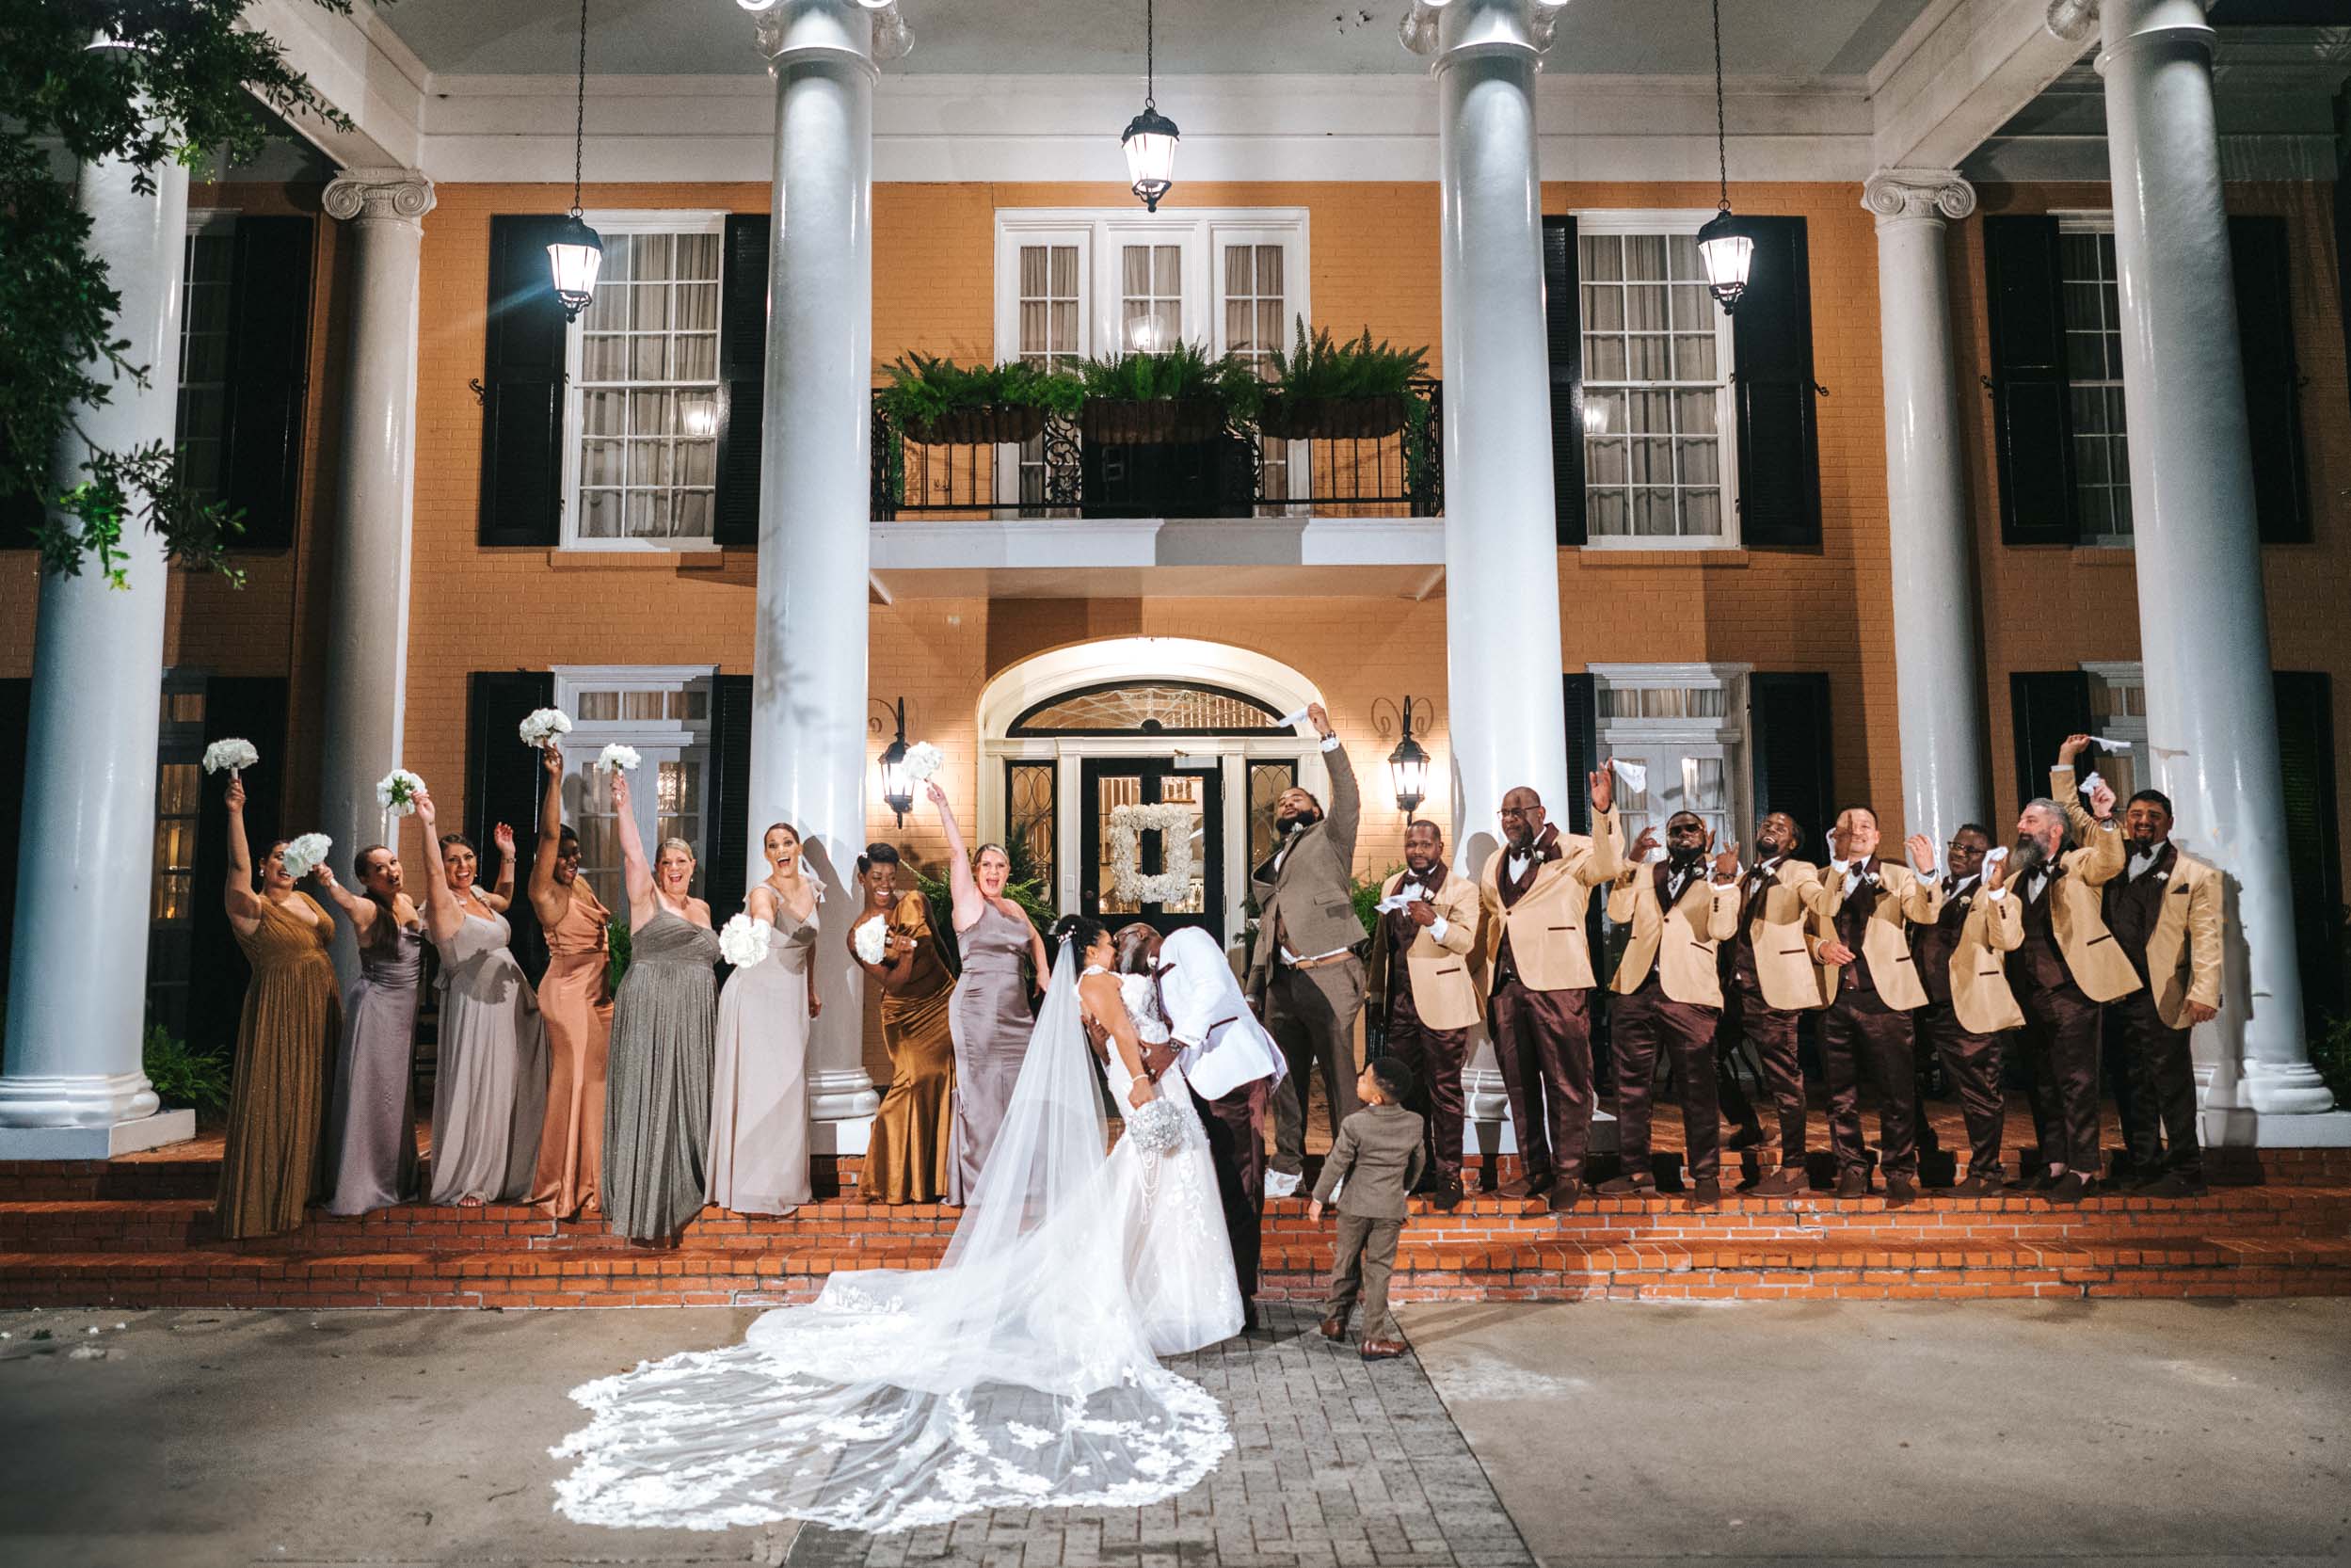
1971	1062
1311	1015
1543	1042
1748	1019
1435	1057
1641	1024
2061	1045
1862	1037
2159	1112
1361	1264
1235	1123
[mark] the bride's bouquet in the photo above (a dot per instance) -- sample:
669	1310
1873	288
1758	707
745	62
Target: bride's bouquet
304	852
742	941
396	792
1158	1128
922	760
617	756
235	754
543	726
871	941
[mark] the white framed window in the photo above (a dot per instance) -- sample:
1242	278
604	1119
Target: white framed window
641	397
664	713
200	425
2117	708
1687	726
2094	374
1659	465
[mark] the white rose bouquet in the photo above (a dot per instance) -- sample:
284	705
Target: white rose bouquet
619	756
235	754
304	853
922	760
871	941
396	792
742	941
543	726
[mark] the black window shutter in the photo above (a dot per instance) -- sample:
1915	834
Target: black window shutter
1794	767
522	388
2306	755
2273	376
1778	428
2044	707
727	834
1563	332
742	378
1583	746
2032	412
269	340
502	784
16	719
20	514
251	707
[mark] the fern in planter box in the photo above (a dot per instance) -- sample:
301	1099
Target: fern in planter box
1165	395
1324	389
938	402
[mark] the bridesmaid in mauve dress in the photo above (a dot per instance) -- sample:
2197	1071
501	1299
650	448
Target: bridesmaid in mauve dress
373	1128
990	1015
760	1085
489	1083
285	1038
912	1145
657	1105
575	998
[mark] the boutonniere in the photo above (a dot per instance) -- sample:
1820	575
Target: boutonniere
2163	876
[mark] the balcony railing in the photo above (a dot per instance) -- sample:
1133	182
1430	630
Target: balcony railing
1157	468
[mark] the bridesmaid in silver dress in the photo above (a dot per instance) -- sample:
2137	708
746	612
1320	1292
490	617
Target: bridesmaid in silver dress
759	1093
490	1079
657	1101
989	1017
372	1128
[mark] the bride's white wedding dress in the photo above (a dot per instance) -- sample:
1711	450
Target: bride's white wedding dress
1022	1372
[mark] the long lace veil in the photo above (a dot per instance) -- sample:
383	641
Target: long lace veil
1017	1373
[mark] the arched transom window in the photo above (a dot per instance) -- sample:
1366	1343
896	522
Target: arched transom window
1149	708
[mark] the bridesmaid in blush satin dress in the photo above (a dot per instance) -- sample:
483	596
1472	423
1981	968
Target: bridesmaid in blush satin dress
373	1131
990	1015
760	1085
575	998
489	1077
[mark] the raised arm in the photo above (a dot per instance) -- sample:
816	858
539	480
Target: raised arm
441	915
501	896
635	875
1346	799
244	904
544	899
969	904
357	909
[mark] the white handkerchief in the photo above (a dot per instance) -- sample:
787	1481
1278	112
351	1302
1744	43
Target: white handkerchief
2114	743
2089	786
1291	721
1996	853
1636	775
1392	903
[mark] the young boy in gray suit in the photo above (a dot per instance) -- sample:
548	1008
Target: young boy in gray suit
1379	1155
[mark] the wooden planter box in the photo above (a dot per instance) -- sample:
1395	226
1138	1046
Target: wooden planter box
1330	418
994	424
1119	423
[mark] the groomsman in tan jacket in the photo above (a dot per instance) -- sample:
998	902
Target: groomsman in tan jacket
1861	913
1533	893
1422	989
1969	1007
2068	965
1669	991
1771	982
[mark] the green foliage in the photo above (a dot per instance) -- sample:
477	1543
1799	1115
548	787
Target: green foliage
2331	1053
1367	897
616	941
1316	367
1025	888
1420	454
184	88
182	1077
924	390
1180	374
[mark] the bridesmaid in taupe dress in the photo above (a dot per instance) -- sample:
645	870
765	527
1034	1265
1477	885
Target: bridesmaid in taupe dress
759	1086
373	1131
575	998
990	1015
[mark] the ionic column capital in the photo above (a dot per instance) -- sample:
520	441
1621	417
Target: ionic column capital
855	32
379	195
1917	196
1450	29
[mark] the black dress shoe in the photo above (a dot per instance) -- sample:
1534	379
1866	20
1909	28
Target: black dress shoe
1526	1187
2038	1179
1984	1185
1853	1184
1902	1191
1562	1196
2171	1185
1447	1197
1628	1186
2069	1188
1706	1193
1785	1182
1248	1315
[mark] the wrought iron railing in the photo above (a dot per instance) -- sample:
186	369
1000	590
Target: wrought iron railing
1159	465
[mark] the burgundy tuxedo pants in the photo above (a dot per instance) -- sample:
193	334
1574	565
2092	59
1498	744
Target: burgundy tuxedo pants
1435	1057
2061	1045
1971	1062
1862	1038
1235	1123
1771	1032
1542	1042
2159	1114
1641	1024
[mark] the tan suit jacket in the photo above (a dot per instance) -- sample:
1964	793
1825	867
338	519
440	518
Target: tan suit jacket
2183	954
1379	1153
1444	989
1307	892
2078	920
1905	899
1548	944
1783	962
1680	941
1979	977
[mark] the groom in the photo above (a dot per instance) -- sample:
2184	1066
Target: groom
1231	1066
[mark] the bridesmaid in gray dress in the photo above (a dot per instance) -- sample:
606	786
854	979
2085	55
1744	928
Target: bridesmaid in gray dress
760	1096
989	1017
657	1101
372	1128
490	1071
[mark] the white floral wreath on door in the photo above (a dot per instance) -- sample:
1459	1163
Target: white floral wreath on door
1173	821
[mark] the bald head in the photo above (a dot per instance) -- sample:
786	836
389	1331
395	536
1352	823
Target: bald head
1522	817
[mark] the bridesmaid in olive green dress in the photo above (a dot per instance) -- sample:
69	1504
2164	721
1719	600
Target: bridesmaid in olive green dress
657	1104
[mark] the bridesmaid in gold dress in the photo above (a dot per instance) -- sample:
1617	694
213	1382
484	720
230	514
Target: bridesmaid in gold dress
907	1161
575	1000
285	1038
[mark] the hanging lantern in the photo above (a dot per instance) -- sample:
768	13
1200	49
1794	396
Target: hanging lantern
1150	137
896	789
1408	767
1722	246
576	254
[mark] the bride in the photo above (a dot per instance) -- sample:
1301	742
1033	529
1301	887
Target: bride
1022	1371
